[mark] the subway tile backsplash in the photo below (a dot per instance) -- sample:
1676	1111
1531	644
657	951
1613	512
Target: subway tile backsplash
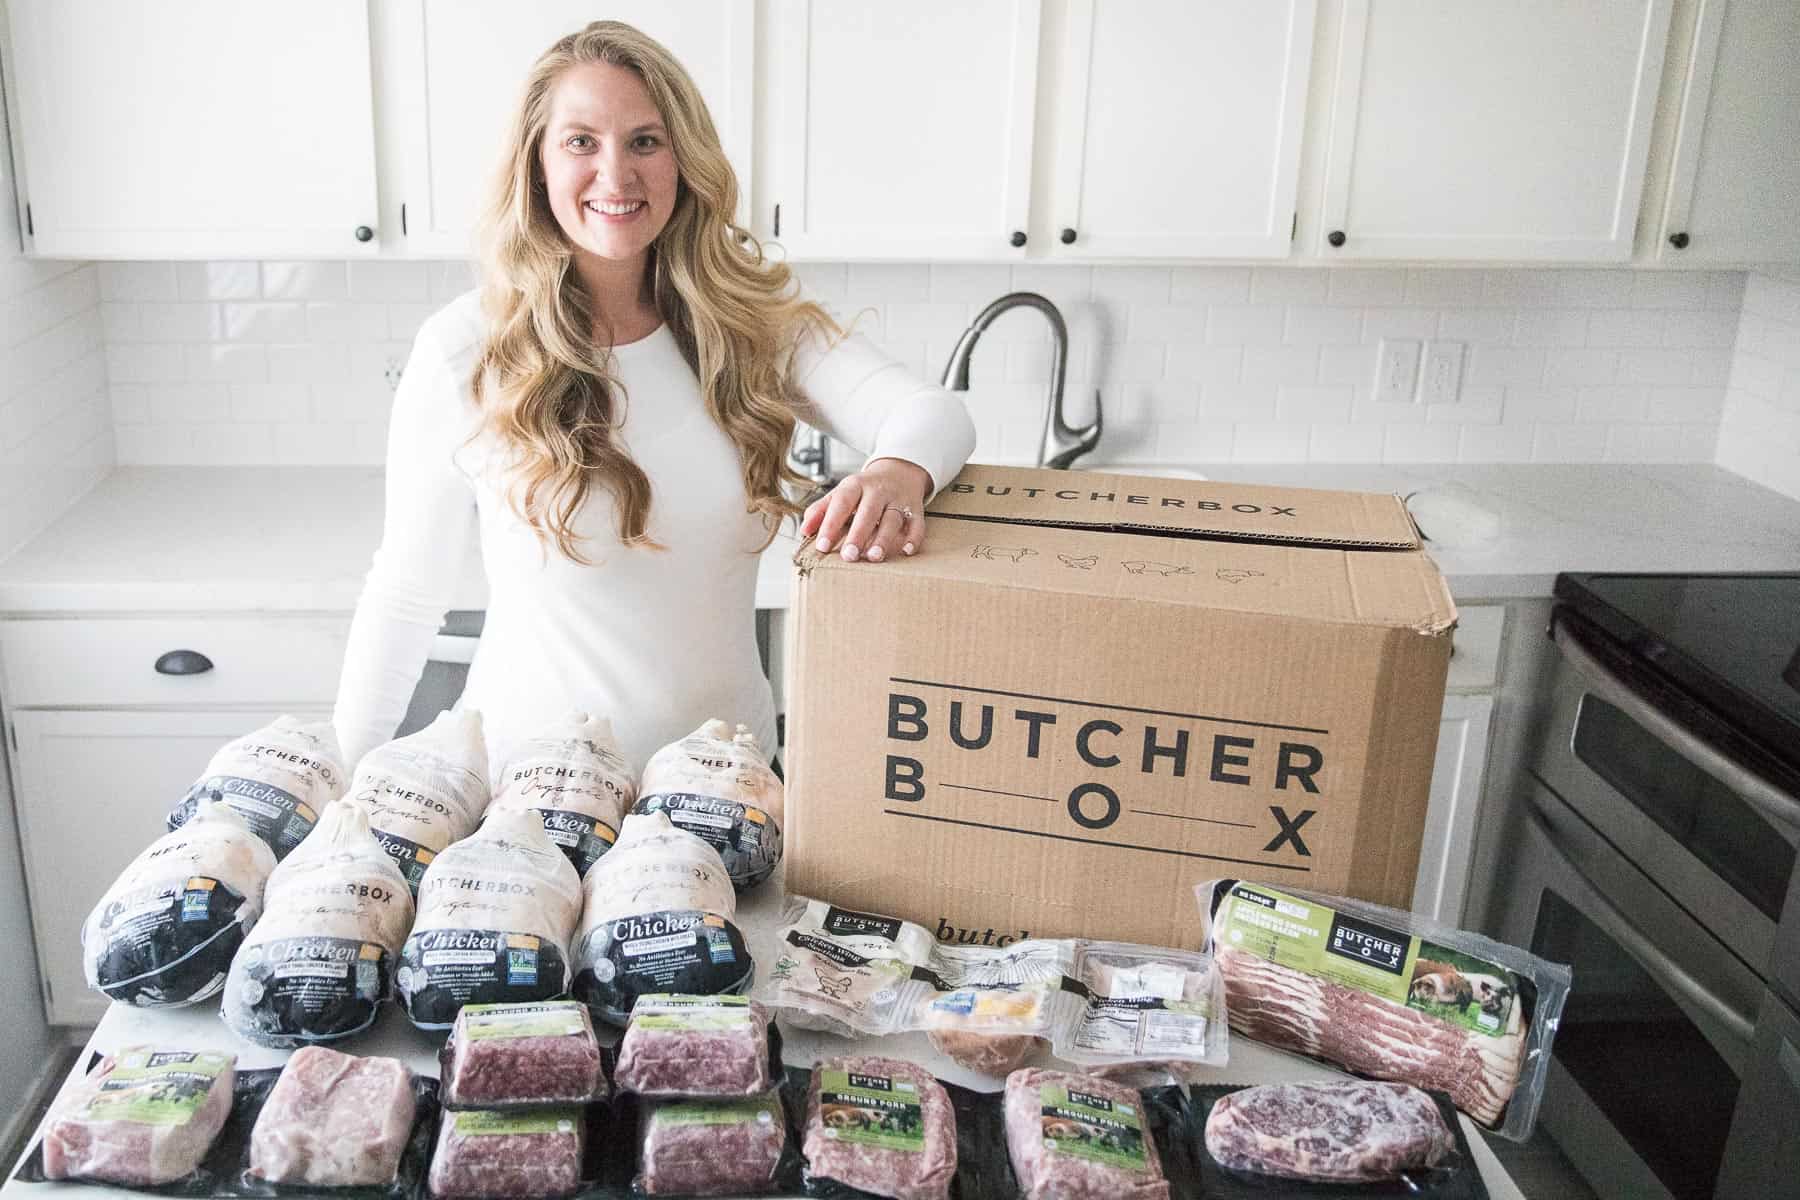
1760	437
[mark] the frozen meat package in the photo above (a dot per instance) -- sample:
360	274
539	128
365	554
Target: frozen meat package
278	779
882	1125
1079	1135
716	783
334	1120
484	1154
166	931
425	790
320	963
845	972
576	780
717	1147
141	1117
1335	1131
1148	1010
695	1046
522	1055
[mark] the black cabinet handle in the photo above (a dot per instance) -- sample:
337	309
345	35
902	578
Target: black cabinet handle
183	662
1068	237
1018	237
1679	240
1335	237
364	233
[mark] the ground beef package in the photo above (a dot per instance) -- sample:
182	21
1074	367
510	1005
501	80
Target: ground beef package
321	961
712	1147
511	1055
496	913
425	790
695	1046
716	783
278	779
483	1154
166	931
576	781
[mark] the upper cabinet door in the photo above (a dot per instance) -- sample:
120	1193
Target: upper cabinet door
1178	128
901	132
212	127
1469	129
1736	176
460	68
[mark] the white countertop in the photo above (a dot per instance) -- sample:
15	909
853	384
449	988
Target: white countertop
299	539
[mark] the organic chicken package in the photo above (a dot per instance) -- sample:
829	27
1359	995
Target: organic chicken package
278	779
425	790
715	783
321	961
576	781
166	931
496	913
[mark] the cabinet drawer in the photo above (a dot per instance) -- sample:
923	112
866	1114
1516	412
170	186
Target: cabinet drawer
112	663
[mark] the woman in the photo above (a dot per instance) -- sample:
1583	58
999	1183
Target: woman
608	417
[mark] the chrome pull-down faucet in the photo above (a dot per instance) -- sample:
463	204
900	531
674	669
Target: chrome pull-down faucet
1069	443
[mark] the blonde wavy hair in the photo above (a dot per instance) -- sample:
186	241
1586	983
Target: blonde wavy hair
542	384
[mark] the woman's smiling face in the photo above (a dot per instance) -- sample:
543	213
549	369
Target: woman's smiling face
608	167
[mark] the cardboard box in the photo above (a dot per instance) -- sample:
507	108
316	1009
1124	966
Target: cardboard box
1092	691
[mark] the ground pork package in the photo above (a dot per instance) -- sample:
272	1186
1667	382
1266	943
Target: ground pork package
496	913
278	779
321	961
425	790
142	1117
166	931
716	783
576	781
334	1120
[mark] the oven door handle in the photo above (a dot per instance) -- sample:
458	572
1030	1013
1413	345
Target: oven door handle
1756	791
1656	960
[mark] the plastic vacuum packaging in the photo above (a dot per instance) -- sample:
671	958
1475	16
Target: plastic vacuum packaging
278	779
485	1154
142	1117
658	918
1080	1136
1341	1131
320	963
845	972
716	783
988	1008
711	1147
1150	1013
576	781
697	1046
166	931
1389	995
882	1125
334	1120
522	1055
425	790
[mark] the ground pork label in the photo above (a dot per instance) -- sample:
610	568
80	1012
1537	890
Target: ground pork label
160	1088
318	987
582	838
1091	1127
871	1110
747	838
443	969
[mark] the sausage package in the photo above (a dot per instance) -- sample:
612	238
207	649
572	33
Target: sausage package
716	783
577	782
1388	995
278	779
425	790
695	1046
522	1055
496	912
166	931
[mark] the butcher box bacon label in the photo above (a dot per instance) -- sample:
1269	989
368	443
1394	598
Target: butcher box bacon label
559	1018
1091	1127
871	1110
156	1088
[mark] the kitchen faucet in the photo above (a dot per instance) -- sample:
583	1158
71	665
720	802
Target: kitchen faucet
1070	443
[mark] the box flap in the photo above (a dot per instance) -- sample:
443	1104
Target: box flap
1176	507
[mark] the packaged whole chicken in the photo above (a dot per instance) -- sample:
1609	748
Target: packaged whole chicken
882	1125
719	1147
695	1046
322	960
845	972
577	782
166	931
141	1117
511	1055
1340	1131
334	1120
278	779
496	912
488	1155
716	783
1078	1135
425	790
658	917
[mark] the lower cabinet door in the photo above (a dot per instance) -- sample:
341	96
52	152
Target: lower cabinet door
1449	841
94	789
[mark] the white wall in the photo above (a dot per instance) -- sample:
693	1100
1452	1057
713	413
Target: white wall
1760	437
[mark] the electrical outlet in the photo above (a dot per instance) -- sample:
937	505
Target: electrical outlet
1397	371
1442	382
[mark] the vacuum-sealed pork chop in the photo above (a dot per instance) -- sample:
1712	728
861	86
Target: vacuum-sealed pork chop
334	1120
425	790
711	1147
141	1117
716	783
1349	1131
278	779
1079	1137
577	782
880	1124
501	1055
489	1155
695	1046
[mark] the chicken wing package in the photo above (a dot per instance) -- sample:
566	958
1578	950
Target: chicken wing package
488	1155
334	1120
576	781
845	972
496	913
278	779
659	917
698	1046
166	931
141	1118
1080	1135
522	1055
1388	995
425	790
320	963
1149	1013
716	783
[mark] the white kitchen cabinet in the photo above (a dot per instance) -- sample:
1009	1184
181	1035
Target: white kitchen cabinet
94	789
1177	129
901	135
1470	130
212	128
457	69
1737	151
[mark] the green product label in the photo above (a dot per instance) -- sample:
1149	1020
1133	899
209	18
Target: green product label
1083	1125
553	1019
750	1110
697	1014
486	1121
871	1110
1398	967
150	1088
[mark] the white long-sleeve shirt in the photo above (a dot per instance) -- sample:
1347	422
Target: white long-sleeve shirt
656	641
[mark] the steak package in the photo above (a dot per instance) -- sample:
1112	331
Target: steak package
716	783
512	1155
496	912
513	1055
142	1117
425	790
166	931
882	1125
278	779
844	972
1080	1135
658	918
576	781
320	963
711	1147
698	1046
1389	995
334	1120
1147	1008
